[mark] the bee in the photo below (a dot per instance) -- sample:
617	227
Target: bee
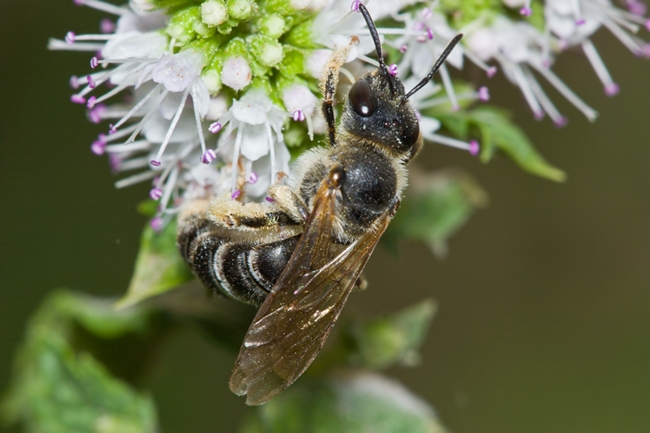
299	257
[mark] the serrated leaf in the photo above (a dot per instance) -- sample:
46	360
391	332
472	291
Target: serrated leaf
498	131
345	402
158	268
434	207
59	386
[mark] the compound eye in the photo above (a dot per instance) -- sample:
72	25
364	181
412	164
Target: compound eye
362	99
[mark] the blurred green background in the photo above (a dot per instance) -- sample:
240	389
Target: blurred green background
544	300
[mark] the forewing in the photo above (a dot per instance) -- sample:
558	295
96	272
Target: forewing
294	321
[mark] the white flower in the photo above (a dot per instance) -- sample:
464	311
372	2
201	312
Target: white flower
253	130
236	73
300	102
573	22
520	48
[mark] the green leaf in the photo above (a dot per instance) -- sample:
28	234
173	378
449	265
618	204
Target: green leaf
58	384
435	206
356	401
159	266
394	339
499	132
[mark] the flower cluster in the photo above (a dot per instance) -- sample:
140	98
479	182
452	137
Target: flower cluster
208	97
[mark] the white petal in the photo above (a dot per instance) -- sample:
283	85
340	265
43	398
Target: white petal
252	108
135	45
429	124
483	43
141	22
218	106
299	97
169	105
178	71
156	128
201	96
255	141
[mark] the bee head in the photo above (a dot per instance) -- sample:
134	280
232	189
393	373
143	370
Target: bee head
378	109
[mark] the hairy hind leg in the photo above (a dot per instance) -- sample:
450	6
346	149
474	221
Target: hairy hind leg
328	83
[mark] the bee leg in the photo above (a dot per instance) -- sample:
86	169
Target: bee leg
288	201
264	222
328	83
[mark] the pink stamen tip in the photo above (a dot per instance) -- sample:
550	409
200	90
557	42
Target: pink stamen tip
74	82
98	147
114	162
392	69
647	25
455	108
95	115
561	122
491	71
78	2
156	193
215	127
474	148
403	49
526	12
269	199
252	178
612	89
91	82
298	116
107	26
580	22
91	102
235	195
155	163
637	7
484	94
112	129
208	156
156	224
426	14
429	33
69	38
94	62
355	6
419	26
78	99
546	63
538	115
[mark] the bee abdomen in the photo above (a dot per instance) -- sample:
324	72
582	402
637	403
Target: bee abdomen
243	271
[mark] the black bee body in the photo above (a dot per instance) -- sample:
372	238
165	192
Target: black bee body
242	270
299	257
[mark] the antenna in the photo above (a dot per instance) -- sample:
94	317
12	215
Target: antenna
375	38
445	53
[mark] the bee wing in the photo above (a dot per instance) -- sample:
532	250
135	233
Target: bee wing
294	321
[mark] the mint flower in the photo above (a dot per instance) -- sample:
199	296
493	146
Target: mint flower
253	136
202	98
